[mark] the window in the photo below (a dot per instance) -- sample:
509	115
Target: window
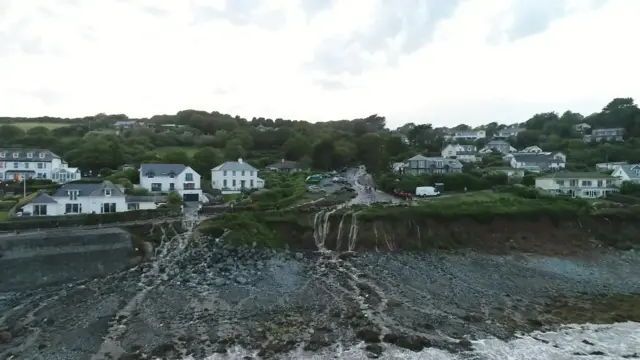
26	165
107	192
251	183
586	182
190	186
15	155
29	155
233	183
41	155
172	174
188	177
242	173
156	187
3	154
133	206
599	183
224	173
15	165
108	207
150	174
73	194
39	210
224	183
1	164
40	165
560	182
233	173
172	186
242	184
73	208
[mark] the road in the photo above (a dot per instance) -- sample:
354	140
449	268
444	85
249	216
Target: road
361	180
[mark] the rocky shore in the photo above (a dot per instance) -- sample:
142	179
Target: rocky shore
201	297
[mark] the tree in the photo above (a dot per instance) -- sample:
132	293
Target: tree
175	157
296	147
10	134
372	153
206	159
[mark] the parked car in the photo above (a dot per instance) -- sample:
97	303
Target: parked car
426	191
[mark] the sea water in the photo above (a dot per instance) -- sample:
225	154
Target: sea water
602	342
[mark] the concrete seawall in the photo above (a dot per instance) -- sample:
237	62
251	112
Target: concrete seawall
32	261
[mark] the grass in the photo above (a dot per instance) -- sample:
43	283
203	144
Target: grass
190	150
4	215
482	206
30	125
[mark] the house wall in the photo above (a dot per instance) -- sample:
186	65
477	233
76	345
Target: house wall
46	170
92	204
178	181
577	190
143	205
52	209
218	177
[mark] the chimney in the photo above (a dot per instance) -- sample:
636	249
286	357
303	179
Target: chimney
240	160
283	161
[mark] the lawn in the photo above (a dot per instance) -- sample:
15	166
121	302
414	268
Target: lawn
4	215
190	150
30	125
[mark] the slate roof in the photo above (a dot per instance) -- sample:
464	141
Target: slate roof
535	158
43	199
234	166
632	171
22	155
162	169
86	189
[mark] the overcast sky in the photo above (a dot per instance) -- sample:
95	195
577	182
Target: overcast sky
425	61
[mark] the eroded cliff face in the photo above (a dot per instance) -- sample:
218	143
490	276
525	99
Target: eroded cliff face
547	236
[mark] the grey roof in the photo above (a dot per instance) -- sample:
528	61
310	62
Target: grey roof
465	153
23	155
86	189
419	157
235	166
125	123
43	199
162	169
632	171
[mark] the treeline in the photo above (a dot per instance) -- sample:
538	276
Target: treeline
209	138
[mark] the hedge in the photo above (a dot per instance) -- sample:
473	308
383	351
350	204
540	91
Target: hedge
6	205
45	222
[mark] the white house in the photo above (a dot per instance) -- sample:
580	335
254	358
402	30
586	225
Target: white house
233	176
452	150
538	162
582	127
35	163
584	185
172	177
74	198
468	135
607	166
509	132
626	172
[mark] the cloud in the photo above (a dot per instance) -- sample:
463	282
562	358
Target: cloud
443	62
398	27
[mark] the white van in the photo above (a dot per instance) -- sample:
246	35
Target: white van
425	191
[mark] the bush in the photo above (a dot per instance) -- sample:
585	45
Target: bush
45	222
6	205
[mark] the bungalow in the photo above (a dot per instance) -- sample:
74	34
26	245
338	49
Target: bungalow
232	177
163	178
582	127
509	132
627	172
92	198
538	162
583	185
468	135
609	134
500	145
285	166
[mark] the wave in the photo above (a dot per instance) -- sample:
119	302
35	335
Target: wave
602	342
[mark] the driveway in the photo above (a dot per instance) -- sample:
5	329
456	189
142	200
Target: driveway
360	180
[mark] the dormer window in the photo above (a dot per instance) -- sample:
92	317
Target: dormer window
107	192
172	174
29	155
41	155
151	174
15	155
3	154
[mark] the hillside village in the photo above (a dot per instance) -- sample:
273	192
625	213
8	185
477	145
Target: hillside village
134	164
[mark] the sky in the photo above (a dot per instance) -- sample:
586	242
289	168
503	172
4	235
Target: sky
443	62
